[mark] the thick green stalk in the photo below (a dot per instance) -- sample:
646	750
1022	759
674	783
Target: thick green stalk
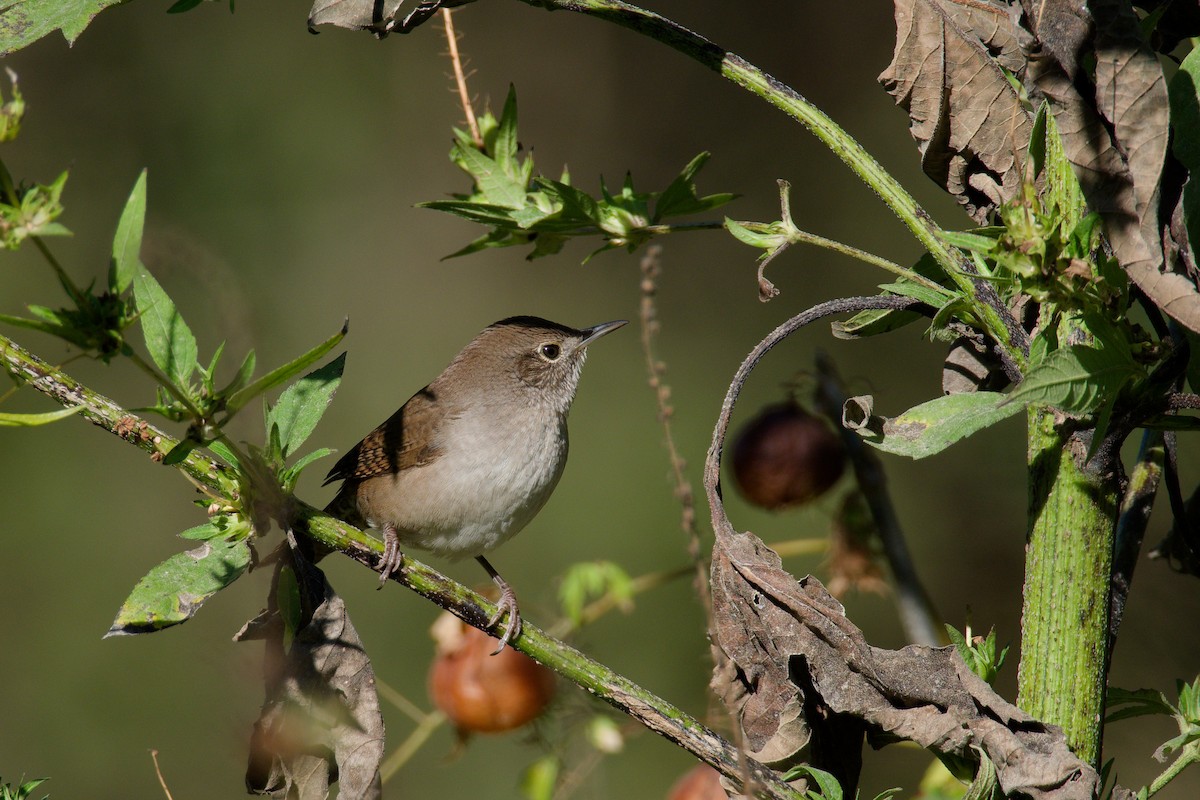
1068	573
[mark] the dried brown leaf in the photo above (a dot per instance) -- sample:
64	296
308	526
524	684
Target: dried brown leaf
967	117
789	643
1116	141
321	720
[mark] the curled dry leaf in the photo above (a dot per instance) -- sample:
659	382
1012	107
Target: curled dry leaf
785	644
948	73
321	720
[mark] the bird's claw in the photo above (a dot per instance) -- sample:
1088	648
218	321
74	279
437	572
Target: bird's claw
392	559
506	603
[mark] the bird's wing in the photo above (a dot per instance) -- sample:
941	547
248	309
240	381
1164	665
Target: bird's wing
407	439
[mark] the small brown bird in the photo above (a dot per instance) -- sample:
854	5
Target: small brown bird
470	459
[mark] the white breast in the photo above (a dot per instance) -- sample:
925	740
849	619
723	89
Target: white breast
481	491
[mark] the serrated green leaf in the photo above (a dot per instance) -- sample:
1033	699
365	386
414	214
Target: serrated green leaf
173	591
1076	380
577	205
484	213
933	426
302	404
284	373
168	339
24	23
680	196
496	187
127	243
504	144
30	420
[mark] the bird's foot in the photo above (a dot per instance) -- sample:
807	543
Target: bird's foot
392	559
506	603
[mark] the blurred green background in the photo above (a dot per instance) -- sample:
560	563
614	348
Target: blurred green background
283	169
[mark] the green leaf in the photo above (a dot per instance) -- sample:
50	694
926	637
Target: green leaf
127	244
1076	380
208	530
495	186
970	241
244	373
24	23
1127	704
30	420
930	297
766	236
590	580
931	427
168	339
986	783
224	453
504	144
173	591
828	787
179	452
680	196
181	6
302	404
284	373
292	473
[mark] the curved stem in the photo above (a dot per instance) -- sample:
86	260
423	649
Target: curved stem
986	303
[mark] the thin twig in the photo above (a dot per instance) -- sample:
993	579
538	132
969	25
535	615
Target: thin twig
651	266
460	77
917	613
1134	516
161	781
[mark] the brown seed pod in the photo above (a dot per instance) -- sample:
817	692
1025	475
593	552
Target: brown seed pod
786	456
701	782
479	692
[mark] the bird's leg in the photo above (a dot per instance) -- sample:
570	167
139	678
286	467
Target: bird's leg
392	558
507	602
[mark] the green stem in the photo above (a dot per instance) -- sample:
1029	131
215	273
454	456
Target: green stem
1068	569
648	709
986	304
1190	755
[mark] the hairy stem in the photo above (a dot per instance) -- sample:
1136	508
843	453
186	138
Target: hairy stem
1068	574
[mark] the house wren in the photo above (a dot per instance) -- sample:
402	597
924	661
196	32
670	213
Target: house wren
470	459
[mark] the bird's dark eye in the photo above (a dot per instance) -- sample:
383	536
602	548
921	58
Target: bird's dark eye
550	351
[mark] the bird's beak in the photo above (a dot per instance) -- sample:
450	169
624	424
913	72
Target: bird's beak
596	331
